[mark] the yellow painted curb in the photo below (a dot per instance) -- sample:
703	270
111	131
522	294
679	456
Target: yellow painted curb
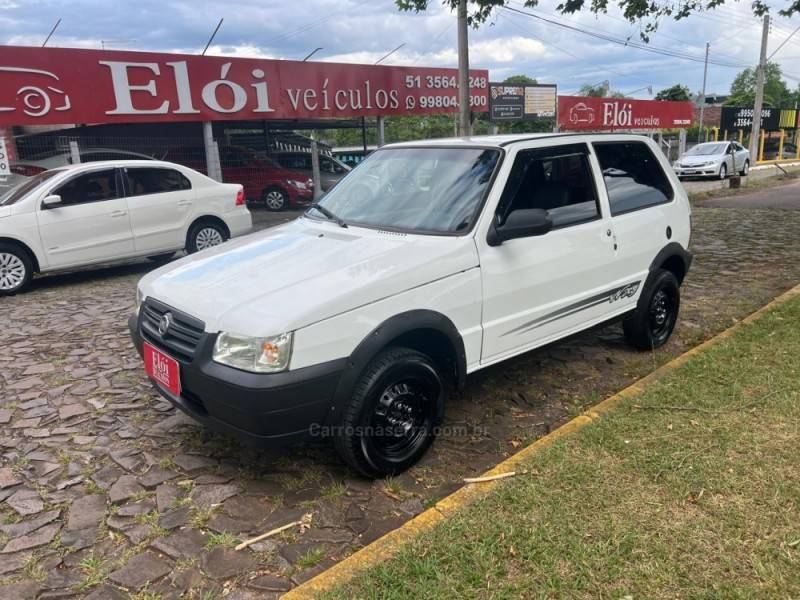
385	547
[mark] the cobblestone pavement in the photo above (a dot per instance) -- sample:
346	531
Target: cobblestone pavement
105	490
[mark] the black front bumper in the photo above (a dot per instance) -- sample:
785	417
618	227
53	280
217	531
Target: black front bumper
261	409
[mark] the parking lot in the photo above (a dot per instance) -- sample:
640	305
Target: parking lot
105	486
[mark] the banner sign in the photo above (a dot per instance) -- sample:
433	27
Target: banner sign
61	86
772	119
513	102
583	113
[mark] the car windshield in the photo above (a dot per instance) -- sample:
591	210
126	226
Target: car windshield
707	149
19	191
435	190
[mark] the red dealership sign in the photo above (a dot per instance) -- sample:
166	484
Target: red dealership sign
58	86
582	113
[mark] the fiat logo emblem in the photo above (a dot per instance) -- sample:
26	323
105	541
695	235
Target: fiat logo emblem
165	323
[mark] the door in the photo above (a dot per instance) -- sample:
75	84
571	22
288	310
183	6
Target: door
160	202
741	155
640	199
90	225
539	288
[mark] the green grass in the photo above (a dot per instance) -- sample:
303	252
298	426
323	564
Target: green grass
311	558
689	490
225	539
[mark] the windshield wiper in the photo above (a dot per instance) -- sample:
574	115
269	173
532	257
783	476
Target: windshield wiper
338	220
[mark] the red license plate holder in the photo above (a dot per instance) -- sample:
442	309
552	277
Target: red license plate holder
162	369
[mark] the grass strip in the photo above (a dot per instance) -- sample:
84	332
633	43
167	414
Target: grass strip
691	489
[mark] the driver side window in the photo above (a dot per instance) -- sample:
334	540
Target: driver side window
558	180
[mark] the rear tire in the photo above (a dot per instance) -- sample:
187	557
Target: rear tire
275	199
394	410
653	321
205	234
745	168
16	269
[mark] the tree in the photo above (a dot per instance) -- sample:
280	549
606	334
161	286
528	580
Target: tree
776	92
676	93
645	11
599	90
520	80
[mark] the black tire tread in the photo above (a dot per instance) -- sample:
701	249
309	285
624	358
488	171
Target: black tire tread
191	246
25	257
635	327
345	444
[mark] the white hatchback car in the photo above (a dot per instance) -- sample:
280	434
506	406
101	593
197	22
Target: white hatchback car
429	261
107	211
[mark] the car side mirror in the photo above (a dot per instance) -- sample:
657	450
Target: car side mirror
525	222
51	201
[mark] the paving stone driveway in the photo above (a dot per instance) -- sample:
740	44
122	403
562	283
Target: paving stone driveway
105	490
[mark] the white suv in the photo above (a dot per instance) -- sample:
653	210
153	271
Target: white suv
107	211
429	261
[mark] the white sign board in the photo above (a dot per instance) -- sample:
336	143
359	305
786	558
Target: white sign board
5	168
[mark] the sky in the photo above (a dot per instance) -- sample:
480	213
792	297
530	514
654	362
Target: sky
363	31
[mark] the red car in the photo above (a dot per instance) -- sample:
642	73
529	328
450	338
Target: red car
264	181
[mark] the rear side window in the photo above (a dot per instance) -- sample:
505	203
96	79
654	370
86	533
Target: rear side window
558	180
90	187
633	176
143	181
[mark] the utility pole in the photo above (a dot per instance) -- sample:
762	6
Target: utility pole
703	97
759	103
464	121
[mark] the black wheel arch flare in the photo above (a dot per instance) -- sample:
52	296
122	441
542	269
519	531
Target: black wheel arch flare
673	257
383	335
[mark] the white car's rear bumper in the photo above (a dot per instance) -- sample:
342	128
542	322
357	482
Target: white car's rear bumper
239	221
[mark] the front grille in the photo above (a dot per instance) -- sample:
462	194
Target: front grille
182	337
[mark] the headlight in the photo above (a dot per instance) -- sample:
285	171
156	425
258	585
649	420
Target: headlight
258	355
139	300
298	184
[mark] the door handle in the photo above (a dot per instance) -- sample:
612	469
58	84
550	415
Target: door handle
118	213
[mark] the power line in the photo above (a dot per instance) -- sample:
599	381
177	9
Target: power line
783	43
625	42
525	30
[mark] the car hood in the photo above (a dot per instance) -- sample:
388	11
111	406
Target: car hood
5	211
697	160
296	274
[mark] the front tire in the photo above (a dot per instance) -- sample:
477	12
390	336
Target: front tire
393	413
275	199
205	234
723	172
16	269
653	321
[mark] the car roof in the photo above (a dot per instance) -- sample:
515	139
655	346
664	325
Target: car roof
119	163
500	141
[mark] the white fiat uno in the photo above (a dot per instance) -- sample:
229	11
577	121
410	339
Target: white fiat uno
429	261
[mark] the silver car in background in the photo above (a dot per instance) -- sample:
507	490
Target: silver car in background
713	159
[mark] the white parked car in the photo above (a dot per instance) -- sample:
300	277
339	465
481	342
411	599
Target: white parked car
354	320
714	159
106	211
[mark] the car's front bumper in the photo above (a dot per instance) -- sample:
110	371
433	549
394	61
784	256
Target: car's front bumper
261	409
708	171
300	197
